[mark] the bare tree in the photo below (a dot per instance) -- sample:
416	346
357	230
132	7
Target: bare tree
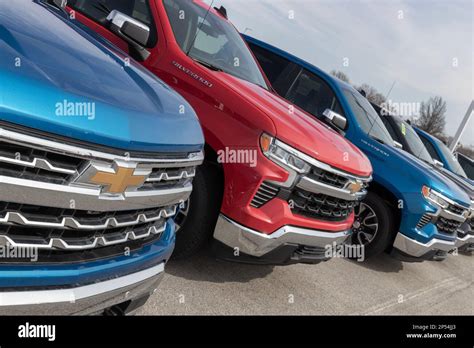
372	94
340	75
432	116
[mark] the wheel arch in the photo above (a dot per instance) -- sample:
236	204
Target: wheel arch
390	199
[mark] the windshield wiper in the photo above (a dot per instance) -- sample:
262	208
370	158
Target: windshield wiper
207	65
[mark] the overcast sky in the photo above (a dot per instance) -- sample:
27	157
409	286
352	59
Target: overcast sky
425	46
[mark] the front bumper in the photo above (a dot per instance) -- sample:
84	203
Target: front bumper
288	244
83	300
411	248
466	243
465	237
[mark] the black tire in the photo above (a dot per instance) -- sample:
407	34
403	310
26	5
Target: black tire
383	236
198	226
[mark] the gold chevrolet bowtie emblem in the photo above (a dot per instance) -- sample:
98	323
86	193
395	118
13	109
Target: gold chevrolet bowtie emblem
119	181
355	186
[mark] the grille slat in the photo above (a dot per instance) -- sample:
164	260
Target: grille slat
91	221
171	174
56	239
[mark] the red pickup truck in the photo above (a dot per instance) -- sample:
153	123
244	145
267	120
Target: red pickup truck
277	186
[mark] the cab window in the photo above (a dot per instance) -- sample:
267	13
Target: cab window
313	95
280	71
430	149
390	128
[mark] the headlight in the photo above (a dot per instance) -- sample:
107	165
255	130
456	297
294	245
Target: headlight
434	197
282	154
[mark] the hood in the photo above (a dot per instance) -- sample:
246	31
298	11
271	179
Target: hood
467	187
421	171
301	130
61	79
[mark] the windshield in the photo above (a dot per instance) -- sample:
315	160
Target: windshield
368	119
212	40
452	161
414	142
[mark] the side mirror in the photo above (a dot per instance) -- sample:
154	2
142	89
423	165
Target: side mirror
334	118
134	32
398	145
438	163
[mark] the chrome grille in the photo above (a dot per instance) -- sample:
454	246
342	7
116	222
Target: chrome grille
455	209
320	206
37	216
32	164
49	202
264	194
168	177
329	178
64	239
325	194
447	226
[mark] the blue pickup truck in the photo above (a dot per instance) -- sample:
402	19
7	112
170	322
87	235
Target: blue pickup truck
447	163
96	155
410	209
442	155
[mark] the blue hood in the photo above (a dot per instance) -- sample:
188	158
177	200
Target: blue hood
52	67
427	175
460	181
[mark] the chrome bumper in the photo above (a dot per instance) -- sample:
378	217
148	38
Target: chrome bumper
467	239
416	249
82	300
257	244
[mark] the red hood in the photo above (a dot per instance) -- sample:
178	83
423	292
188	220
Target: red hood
303	131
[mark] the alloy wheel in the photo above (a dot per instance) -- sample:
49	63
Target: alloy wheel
365	225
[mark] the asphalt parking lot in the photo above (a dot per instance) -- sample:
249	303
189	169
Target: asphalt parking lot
383	285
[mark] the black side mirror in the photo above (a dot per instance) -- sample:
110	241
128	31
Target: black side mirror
335	119
134	32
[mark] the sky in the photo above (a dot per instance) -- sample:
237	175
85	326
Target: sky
423	47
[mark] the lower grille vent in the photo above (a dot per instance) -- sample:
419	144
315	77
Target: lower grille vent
425	219
265	193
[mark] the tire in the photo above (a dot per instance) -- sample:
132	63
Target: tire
198	225
385	229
